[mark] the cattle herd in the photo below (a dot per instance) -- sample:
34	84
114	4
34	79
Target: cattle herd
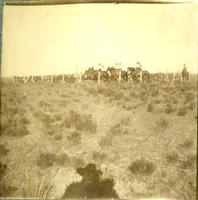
133	74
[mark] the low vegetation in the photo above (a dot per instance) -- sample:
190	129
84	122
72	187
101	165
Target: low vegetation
140	138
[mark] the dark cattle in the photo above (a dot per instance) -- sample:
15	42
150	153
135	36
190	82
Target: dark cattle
36	78
114	73
47	78
130	71
124	75
145	75
90	74
70	78
105	76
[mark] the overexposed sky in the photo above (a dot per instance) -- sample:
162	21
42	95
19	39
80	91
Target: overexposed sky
60	39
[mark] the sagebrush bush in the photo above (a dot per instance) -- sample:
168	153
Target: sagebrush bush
161	123
106	141
187	144
98	156
80	122
181	111
74	137
24	120
3	150
172	158
46	160
150	107
188	162
63	160
169	108
142	167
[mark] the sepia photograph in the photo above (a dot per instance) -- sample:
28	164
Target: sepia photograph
99	101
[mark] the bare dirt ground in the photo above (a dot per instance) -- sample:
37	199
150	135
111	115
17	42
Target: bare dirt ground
141	138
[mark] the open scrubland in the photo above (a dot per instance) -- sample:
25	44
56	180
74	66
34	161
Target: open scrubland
113	140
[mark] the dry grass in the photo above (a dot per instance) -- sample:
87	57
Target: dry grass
142	167
108	124
35	184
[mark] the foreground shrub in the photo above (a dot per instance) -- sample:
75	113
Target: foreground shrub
169	108
181	111
80	122
74	137
150	107
172	158
98	156
46	160
36	185
188	162
63	160
5	190
142	167
3	151
161	123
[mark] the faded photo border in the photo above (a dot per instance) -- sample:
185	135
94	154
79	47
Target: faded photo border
62	2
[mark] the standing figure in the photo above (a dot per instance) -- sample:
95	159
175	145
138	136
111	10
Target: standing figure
185	74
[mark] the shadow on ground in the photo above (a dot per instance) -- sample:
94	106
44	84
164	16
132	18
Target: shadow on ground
91	186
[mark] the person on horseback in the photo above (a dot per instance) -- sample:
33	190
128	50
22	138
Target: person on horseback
185	73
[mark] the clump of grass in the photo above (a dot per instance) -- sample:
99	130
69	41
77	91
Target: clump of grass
106	141
24	120
161	123
15	129
187	144
3	151
169	108
5	190
74	137
77	162
154	93
182	111
2	169
36	185
172	158
127	106
150	107
142	167
80	122
133	94
63	160
192	105
43	104
46	160
188	162
157	101
98	156
56	117
116	130
58	137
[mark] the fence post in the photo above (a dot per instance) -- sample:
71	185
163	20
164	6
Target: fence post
167	77
181	77
42	78
140	76
63	78
98	77
80	77
52	78
119	77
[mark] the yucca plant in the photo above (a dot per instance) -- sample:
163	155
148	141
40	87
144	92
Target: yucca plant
35	184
